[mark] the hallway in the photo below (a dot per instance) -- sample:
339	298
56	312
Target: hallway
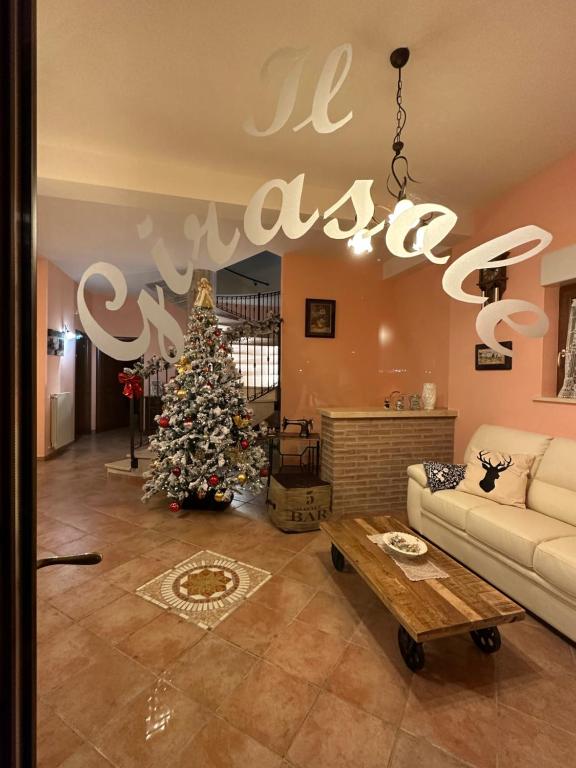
305	672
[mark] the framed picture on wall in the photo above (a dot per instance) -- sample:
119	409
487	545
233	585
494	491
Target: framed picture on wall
489	360
320	320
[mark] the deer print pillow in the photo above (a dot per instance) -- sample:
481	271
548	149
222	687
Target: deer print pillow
501	477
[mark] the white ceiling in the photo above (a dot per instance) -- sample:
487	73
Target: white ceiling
146	96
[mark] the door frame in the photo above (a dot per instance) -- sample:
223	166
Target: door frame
18	385
98	390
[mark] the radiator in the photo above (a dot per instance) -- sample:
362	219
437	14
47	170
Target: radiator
61	419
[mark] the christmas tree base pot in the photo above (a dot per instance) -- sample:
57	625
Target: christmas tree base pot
208	502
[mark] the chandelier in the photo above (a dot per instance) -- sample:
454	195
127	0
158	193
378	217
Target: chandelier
399	175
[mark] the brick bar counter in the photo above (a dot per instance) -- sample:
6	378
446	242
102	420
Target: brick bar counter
365	453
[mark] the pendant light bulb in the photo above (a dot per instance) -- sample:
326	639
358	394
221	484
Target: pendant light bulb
402	205
418	246
360	243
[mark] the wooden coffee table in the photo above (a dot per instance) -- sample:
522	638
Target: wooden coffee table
425	610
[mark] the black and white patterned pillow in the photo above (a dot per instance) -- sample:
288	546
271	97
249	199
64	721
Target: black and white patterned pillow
443	477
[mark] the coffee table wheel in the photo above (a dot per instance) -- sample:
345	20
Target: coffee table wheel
412	652
488	640
338	559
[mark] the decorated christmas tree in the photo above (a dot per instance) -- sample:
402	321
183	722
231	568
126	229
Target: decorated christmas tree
205	446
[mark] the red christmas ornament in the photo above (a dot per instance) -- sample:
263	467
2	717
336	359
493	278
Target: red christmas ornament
163	422
264	471
217	332
213	480
244	443
176	471
174	506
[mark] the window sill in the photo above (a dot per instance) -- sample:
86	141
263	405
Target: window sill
557	400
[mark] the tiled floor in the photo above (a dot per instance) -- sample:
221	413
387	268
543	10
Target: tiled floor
305	674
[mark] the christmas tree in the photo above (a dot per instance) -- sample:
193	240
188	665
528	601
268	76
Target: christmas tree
205	445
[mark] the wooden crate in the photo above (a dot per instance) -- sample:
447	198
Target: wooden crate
298	501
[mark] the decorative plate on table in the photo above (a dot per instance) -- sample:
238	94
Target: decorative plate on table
404	544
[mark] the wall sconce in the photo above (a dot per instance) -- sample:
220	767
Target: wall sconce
492	280
68	334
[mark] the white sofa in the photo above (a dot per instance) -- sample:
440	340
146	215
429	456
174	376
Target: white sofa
529	554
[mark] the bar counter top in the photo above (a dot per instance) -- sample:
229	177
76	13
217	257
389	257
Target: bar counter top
386	413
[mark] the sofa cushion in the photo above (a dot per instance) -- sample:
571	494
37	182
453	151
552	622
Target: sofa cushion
513	531
553	490
450	506
442	476
508	441
416	472
495	476
555	561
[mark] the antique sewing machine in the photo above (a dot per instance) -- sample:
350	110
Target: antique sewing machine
306	425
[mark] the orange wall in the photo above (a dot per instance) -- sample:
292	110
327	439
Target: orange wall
549	201
55	308
400	332
389	334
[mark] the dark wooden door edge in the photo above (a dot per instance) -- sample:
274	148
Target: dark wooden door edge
18	385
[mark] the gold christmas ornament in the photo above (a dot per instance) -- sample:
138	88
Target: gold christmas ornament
242	478
241	422
181	393
219	496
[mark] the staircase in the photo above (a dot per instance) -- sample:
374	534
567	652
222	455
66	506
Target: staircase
257	357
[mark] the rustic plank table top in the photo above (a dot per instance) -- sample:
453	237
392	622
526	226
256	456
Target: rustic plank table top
428	609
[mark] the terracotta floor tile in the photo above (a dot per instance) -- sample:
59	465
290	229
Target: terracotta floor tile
412	752
50	622
338	735
452	702
55	741
525	742
53	581
172	552
271	558
121	618
551	699
219	745
95	695
141	541
86	757
306	652
53	533
372	682
158	643
352	588
311	569
252	627
534	645
331	614
132	574
210	671
152	729
63	655
270	706
286	596
78	603
377	631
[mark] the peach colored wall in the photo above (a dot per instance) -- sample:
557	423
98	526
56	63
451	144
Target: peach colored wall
385	339
549	201
419	324
55	307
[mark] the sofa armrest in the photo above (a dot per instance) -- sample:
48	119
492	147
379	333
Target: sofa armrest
416	472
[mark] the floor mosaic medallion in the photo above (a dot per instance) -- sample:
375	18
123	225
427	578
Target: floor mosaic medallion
204	588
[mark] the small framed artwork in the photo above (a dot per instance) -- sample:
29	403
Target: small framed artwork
489	360
55	342
320	318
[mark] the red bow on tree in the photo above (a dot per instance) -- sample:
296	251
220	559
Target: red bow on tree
132	384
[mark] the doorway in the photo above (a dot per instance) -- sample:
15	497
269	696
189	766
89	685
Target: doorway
83	386
112	407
